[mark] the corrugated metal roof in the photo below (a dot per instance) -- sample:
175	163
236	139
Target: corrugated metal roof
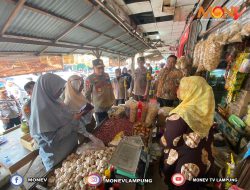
117	31
99	22
79	35
58	50
70	9
81	51
51	19
5	11
29	23
111	44
125	38
15	47
99	41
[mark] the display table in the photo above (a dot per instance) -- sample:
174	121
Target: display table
12	149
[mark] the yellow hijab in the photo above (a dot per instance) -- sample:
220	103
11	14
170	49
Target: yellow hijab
198	106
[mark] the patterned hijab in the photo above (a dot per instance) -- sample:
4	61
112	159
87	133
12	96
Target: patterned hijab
74	98
47	113
198	106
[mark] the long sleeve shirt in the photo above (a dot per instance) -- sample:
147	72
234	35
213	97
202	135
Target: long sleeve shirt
9	108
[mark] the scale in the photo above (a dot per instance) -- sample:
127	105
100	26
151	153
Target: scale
126	158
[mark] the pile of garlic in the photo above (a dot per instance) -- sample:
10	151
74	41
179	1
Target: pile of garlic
76	168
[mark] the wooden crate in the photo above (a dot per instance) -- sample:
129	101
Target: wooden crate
27	142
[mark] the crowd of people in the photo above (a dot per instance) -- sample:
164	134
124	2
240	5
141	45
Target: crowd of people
55	112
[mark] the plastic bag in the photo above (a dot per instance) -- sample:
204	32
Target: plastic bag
222	38
202	56
196	57
236	38
245	30
245	66
95	144
88	117
152	113
212	53
236	28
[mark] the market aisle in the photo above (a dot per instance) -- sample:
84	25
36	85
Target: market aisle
153	173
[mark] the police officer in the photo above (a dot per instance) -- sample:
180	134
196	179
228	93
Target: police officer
140	82
99	91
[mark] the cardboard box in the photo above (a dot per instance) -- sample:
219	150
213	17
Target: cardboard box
27	142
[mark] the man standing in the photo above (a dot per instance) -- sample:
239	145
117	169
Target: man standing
167	83
127	77
150	68
140	83
10	111
98	90
119	88
28	87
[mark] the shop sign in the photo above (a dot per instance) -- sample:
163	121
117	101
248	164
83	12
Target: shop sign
219	12
68	59
20	65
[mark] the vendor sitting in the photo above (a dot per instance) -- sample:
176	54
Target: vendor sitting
52	125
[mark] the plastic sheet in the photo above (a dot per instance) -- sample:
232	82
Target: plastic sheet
245	30
152	113
95	144
196	57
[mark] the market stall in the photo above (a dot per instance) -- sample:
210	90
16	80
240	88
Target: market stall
119	148
13	154
227	52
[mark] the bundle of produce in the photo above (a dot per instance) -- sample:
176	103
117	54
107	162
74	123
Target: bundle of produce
201	57
141	130
152	113
117	112
196	56
234	30
212	55
76	168
131	109
222	38
110	128
182	63
246	30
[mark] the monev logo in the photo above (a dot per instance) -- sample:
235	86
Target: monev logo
221	12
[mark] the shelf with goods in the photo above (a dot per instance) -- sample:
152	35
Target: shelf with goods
224	58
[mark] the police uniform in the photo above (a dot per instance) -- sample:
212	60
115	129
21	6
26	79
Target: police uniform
140	83
98	90
119	90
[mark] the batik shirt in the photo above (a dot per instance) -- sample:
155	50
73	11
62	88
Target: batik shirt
167	83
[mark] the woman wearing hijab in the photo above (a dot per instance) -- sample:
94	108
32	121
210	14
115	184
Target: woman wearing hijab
75	100
52	125
188	136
